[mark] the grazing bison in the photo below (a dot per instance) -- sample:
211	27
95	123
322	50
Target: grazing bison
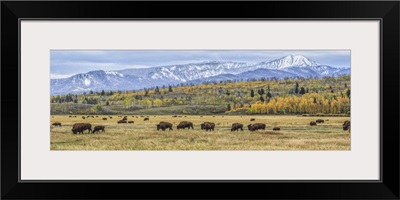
256	126
70	116
98	129
346	125
131	122
313	123
83	117
146	119
319	121
252	119
184	124
56	124
80	127
110	117
276	129
237	126
125	118
208	126
164	125
121	122
104	118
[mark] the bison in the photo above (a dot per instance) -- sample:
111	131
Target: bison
80	127
146	119
83	117
252	119
276	129
56	124
121	122
131	122
110	117
184	124
164	125
208	126
319	121
125	118
104	118
237	126
256	126
98	129
313	123
346	125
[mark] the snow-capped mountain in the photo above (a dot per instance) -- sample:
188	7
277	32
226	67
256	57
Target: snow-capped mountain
128	79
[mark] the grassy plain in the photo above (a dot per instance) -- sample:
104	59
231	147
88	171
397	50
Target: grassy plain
295	134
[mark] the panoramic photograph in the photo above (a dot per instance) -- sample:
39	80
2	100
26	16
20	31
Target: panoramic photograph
200	100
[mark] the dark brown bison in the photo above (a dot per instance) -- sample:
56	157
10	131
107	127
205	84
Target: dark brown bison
146	119
121	122
80	127
252	119
313	123
70	116
346	125
56	124
208	126
256	126
237	126
98	129
164	125
125	118
83	117
131	122
110	117
319	121
276	129
184	124
104	118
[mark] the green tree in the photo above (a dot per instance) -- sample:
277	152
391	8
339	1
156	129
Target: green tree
91	92
345	85
348	93
102	93
252	93
262	98
296	88
269	95
170	89
229	107
107	103
302	91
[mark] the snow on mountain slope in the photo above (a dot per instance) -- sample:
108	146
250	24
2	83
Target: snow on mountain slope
128	79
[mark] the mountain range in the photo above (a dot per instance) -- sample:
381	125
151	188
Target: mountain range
196	73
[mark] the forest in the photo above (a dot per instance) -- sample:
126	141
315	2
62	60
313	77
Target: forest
289	96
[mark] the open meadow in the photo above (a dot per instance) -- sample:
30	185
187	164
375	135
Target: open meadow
295	134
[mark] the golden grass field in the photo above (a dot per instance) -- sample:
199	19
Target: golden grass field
295	134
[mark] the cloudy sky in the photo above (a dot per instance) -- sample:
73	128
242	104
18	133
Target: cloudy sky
65	63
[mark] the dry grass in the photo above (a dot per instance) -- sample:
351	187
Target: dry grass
295	134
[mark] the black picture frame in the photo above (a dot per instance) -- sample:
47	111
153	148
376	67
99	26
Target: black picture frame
386	11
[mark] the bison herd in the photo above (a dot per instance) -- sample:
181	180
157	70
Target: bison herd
207	126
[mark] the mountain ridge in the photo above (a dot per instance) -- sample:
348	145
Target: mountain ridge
139	78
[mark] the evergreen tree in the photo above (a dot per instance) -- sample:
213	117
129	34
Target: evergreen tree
345	85
268	88
107	103
307	90
269	95
315	100
348	93
227	92
102	93
252	93
229	106
262	98
296	88
157	90
262	91
170	89
91	92
302	91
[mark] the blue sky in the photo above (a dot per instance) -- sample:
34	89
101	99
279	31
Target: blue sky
65	63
